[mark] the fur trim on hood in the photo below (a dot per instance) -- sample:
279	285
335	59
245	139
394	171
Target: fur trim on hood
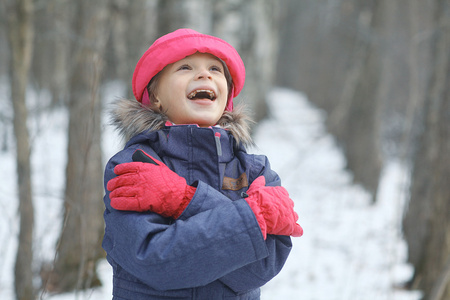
131	118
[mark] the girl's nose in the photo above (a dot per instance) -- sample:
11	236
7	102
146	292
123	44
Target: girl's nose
204	74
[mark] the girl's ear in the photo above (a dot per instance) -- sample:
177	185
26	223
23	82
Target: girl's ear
156	103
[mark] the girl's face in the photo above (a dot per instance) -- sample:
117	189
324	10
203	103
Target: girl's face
193	90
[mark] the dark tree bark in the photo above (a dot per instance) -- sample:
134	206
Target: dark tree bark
80	240
133	26
252	28
429	207
332	53
355	118
19	20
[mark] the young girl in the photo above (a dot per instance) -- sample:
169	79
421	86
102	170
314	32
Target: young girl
189	213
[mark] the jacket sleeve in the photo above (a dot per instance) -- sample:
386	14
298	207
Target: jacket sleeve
257	274
215	237
260	272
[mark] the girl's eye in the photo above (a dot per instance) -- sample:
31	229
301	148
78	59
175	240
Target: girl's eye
216	69
184	67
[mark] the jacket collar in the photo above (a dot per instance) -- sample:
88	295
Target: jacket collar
196	153
132	118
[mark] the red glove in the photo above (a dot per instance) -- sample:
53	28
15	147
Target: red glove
153	186
273	209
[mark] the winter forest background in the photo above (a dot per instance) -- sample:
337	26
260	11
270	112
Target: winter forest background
379	69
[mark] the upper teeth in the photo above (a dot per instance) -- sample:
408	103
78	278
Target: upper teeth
209	92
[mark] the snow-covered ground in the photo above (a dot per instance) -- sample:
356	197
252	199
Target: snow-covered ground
351	248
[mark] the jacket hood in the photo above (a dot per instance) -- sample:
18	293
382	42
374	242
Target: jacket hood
131	118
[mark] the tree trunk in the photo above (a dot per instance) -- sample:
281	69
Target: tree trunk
354	121
80	240
429	206
252	28
126	49
421	20
58	85
20	33
330	50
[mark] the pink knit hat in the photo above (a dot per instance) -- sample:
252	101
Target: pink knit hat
177	45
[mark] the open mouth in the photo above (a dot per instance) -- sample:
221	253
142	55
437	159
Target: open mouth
202	94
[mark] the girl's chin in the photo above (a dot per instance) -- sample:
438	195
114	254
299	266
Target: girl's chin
204	122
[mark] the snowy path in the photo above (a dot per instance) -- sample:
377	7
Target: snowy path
350	248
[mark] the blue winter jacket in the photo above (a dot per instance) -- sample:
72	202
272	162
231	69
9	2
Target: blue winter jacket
215	249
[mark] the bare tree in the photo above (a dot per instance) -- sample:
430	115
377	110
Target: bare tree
330	50
252	28
134	27
427	221
19	21
52	44
80	240
355	120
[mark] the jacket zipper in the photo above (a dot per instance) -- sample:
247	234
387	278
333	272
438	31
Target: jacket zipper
218	145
